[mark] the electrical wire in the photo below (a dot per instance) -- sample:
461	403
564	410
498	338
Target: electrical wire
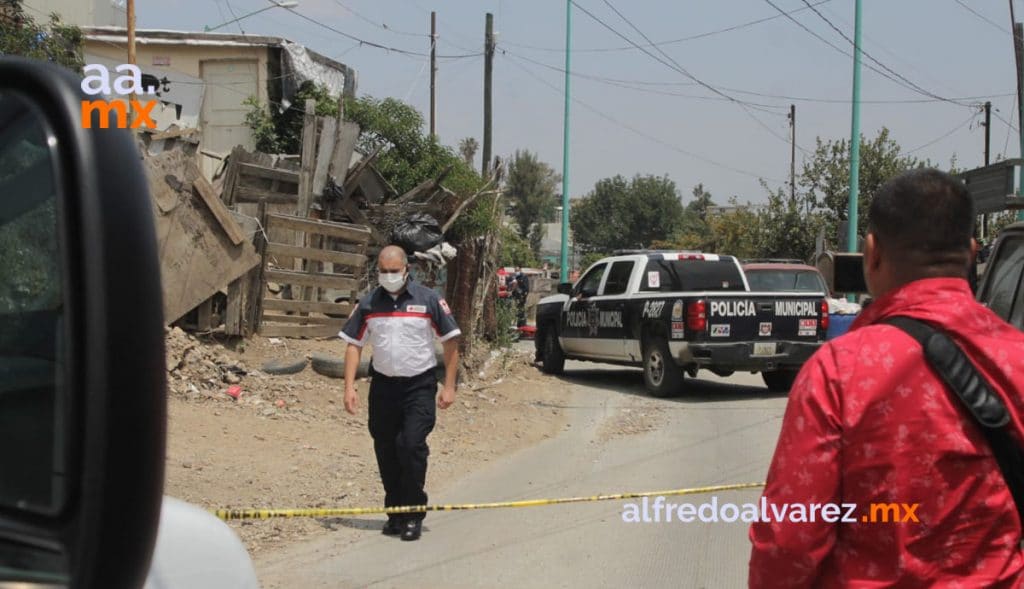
513	60
981	16
668	42
623	83
745	105
842	34
374	44
944	135
379	24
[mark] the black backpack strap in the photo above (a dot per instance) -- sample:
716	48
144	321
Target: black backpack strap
976	395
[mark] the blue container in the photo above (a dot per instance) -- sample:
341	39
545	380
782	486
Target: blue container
838	325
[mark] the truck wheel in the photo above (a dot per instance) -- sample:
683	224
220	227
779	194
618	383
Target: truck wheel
779	381
661	375
552	360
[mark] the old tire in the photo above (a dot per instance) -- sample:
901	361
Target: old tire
552	359
285	366
335	367
662	377
779	381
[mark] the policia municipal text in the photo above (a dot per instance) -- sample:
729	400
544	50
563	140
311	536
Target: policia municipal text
399	319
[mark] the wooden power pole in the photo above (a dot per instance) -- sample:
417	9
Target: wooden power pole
792	152
488	70
433	74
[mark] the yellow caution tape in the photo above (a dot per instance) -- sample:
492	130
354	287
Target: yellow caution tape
232	514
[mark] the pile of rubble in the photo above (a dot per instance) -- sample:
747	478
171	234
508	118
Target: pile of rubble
203	372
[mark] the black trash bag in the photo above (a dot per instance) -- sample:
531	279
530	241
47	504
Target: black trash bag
417	233
333	192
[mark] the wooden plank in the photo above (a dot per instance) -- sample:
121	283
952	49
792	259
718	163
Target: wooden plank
258	280
303	319
303	279
352	179
425	187
342	309
235	161
299	330
359	217
204	322
233	311
348	136
253	194
324	154
202	187
306	171
307	253
269	173
345	231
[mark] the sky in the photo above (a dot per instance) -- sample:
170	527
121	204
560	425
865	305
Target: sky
711	109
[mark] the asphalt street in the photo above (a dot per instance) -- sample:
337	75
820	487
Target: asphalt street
720	431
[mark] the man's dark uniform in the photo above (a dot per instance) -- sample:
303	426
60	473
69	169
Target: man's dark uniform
401	328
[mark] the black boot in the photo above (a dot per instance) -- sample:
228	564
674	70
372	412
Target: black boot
412	529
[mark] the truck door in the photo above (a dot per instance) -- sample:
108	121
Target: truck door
614	322
1003	286
580	316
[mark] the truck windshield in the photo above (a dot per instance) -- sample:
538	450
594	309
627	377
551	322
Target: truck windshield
691	275
785	281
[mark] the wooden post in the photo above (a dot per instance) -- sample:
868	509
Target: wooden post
233	311
258	285
309	129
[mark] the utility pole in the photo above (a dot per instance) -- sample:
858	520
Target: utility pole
988	136
131	52
433	74
851	229
488	70
563	274
792	154
1018	52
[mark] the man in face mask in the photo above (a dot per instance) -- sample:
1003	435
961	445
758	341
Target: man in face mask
400	320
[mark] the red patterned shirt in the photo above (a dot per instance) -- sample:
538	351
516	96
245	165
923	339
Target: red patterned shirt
869	422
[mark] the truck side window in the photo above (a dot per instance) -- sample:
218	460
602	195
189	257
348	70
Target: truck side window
1006	278
591	281
618	278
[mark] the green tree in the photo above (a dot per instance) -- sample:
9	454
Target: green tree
824	180
515	251
530	190
54	41
280	130
621	213
467	149
737	231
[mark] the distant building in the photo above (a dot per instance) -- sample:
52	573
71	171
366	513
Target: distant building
209	76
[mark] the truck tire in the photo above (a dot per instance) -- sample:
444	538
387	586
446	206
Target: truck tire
552	360
779	381
662	377
335	367
283	366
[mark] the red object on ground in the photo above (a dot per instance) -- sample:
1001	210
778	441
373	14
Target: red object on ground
234	391
528	331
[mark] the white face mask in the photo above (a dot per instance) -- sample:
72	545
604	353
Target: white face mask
392	281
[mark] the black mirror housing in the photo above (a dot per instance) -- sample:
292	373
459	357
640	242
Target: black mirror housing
113	371
565	288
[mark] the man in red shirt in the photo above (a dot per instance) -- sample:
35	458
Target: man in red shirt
869	422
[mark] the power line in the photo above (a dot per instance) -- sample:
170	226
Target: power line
981	16
944	135
514	61
872	58
380	25
746	106
668	42
843	51
626	83
375	44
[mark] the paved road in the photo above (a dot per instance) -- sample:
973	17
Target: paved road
722	431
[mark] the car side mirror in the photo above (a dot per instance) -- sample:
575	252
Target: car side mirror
565	288
82	367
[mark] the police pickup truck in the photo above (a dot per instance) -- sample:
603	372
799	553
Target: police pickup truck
679	312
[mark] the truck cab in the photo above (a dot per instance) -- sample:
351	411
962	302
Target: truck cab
1002	286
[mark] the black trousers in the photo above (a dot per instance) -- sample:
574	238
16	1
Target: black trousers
402	414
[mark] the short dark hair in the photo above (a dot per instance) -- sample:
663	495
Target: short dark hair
925	216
